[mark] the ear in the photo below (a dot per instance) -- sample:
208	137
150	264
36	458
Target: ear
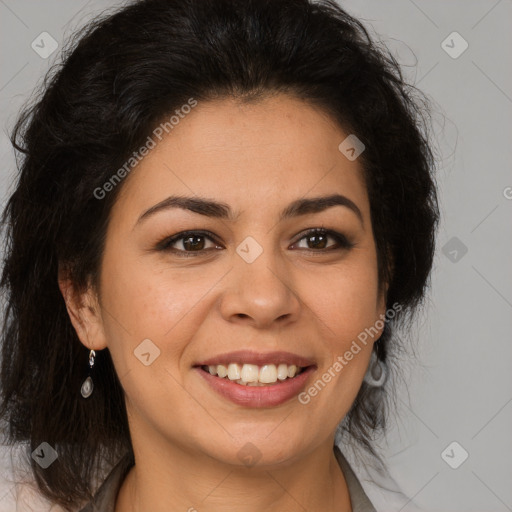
84	312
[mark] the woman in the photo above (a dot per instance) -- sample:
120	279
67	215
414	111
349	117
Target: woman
223	208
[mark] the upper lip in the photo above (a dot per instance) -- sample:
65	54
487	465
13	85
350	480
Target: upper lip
257	358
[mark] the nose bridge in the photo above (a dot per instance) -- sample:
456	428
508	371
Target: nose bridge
260	288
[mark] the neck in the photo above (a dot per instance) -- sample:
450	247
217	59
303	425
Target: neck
180	481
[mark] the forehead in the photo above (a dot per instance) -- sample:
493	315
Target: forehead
268	152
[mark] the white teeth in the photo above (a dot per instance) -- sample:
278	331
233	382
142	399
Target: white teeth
254	375
250	373
268	374
222	371
233	371
282	372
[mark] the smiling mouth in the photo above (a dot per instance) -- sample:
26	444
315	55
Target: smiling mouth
254	375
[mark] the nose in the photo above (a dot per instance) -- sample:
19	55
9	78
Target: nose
260	293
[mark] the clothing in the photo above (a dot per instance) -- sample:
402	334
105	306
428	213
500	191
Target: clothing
106	495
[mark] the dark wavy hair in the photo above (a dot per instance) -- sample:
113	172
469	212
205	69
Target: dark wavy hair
118	78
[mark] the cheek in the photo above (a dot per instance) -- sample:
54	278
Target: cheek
147	302
345	306
345	299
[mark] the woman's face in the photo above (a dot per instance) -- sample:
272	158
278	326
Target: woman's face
257	287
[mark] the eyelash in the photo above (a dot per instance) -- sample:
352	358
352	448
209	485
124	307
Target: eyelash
165	244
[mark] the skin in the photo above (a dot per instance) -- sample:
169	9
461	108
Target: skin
257	158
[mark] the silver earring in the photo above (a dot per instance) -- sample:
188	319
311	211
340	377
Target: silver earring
88	386
377	372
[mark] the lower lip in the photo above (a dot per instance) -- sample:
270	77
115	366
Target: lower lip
258	396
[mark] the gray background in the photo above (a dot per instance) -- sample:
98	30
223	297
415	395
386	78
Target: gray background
461	387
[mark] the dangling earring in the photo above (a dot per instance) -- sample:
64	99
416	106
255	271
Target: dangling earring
377	372
88	386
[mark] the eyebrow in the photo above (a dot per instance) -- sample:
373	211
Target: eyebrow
219	210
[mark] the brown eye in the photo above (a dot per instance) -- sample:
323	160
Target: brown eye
193	243
188	242
317	240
